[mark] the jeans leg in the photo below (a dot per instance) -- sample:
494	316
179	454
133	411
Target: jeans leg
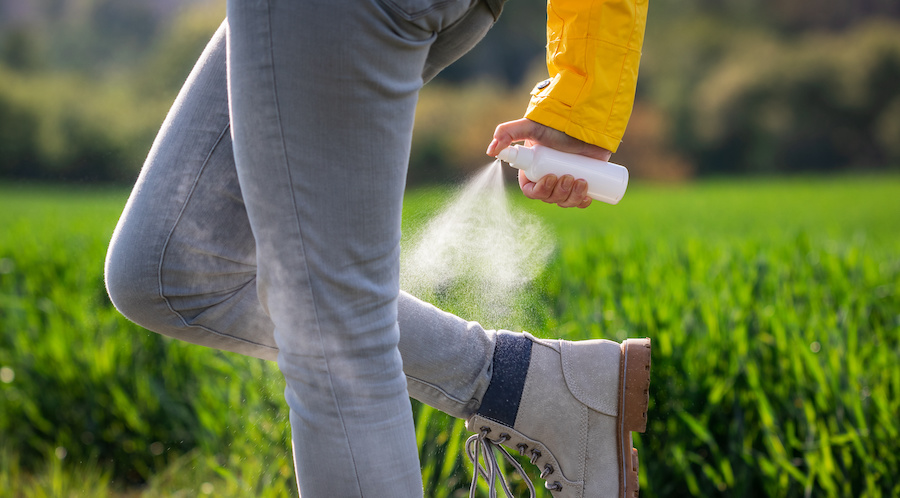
183	260
322	98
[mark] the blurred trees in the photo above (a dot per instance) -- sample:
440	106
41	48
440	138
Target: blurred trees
84	86
760	103
726	86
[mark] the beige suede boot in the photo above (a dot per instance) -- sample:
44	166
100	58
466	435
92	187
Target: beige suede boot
570	407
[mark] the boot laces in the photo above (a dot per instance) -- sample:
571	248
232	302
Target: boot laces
490	470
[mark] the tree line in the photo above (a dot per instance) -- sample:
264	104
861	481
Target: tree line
726	87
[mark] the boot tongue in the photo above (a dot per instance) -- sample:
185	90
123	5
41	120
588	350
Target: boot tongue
512	355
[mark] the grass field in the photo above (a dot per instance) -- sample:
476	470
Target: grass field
773	306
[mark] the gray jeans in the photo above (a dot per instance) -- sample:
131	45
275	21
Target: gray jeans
266	221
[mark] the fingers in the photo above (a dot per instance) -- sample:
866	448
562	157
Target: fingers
512	131
564	192
535	133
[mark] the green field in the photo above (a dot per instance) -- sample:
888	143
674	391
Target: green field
773	306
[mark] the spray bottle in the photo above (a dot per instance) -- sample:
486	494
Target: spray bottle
606	181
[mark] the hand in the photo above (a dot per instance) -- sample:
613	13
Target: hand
565	191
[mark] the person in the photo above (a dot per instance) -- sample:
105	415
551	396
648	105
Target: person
266	221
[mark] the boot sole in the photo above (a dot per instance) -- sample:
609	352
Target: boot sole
634	397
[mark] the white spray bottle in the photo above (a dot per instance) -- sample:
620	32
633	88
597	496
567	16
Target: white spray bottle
606	181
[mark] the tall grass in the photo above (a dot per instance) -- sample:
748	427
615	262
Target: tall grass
774	307
775	313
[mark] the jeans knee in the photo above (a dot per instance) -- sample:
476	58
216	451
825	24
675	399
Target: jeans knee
131	280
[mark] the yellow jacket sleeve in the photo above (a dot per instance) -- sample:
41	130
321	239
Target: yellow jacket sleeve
593	53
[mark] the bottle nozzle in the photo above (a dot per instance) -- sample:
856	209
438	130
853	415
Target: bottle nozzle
508	155
517	156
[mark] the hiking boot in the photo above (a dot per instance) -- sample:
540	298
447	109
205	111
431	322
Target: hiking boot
568	406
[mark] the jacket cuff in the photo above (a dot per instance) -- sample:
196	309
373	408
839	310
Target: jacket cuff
548	117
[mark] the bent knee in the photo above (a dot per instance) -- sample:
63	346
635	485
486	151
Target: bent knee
132	280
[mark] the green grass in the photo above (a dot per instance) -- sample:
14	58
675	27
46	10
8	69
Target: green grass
774	307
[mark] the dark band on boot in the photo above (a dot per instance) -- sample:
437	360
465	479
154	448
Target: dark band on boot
512	355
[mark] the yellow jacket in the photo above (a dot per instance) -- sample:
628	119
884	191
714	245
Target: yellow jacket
593	53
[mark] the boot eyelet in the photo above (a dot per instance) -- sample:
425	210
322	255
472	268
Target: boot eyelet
556	486
535	454
521	447
548	469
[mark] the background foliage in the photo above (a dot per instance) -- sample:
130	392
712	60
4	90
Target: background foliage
773	306
725	87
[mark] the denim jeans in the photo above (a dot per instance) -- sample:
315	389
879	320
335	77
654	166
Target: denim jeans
266	221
